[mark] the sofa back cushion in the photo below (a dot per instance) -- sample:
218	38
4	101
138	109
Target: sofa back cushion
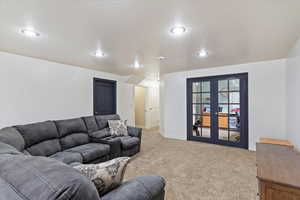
91	124
72	132
102	120
41	139
11	136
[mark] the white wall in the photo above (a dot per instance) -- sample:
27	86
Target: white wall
33	90
267	91
293	95
162	107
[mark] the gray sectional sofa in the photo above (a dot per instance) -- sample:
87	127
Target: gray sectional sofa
36	160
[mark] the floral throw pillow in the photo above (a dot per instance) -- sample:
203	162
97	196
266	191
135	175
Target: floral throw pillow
106	176
118	128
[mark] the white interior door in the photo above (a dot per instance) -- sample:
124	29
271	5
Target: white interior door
140	106
152	107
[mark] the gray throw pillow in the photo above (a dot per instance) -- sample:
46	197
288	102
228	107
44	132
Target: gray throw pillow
106	176
118	128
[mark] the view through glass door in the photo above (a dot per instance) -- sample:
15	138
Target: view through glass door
201	109
218	109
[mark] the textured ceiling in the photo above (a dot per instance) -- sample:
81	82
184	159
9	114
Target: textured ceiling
233	31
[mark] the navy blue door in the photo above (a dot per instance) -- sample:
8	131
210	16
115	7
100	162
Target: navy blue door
217	109
105	97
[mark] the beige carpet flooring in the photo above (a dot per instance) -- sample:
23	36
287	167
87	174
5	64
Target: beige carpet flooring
195	170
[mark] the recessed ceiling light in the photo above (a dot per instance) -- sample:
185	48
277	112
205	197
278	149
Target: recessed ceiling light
136	64
203	53
161	58
99	54
178	30
29	32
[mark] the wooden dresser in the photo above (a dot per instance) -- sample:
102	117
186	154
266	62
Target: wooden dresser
278	170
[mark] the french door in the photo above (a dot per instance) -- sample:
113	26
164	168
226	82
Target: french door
217	109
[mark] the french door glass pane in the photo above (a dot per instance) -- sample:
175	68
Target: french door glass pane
223	85
223	121
197	87
205	86
205	98
223	134
195	118
197	98
235	136
223	108
234	109
197	109
223	97
234	97
234	122
206	108
234	85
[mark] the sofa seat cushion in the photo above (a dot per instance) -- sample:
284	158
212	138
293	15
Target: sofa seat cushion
68	157
74	140
129	142
91	151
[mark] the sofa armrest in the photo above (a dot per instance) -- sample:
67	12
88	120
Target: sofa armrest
140	188
103	133
113	142
37	178
134	131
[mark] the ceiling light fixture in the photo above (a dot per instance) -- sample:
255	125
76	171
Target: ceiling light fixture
203	53
136	64
178	30
99	54
161	58
29	32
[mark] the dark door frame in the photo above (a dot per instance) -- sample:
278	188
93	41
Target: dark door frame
114	83
243	104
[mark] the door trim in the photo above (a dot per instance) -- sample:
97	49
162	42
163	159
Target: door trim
245	139
114	83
